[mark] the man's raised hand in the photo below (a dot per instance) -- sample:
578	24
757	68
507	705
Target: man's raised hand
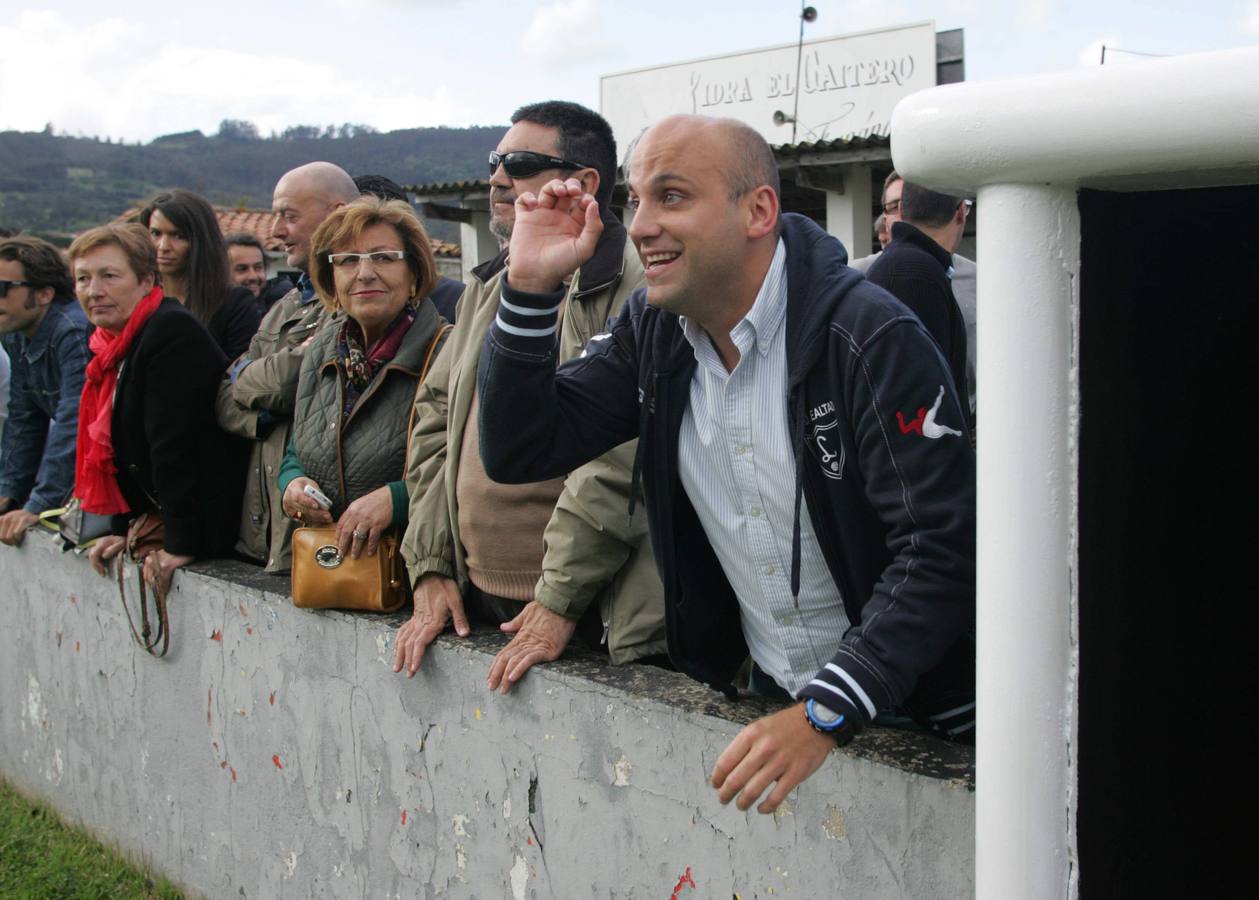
555	231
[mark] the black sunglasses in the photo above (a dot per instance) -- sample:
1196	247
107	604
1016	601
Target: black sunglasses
5	285
523	163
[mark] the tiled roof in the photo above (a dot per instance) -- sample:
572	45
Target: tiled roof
874	142
448	187
257	222
782	151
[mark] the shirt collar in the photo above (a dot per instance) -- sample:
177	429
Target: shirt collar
769	310
307	287
46	331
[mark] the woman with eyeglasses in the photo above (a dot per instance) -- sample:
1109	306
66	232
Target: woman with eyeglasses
372	260
147	439
193	265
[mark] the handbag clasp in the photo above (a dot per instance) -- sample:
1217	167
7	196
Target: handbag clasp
328	556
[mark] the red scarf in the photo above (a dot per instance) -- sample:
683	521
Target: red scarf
95	473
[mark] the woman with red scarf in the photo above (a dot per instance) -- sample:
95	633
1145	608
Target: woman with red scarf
148	440
372	260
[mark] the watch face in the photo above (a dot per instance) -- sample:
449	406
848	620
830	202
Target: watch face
822	715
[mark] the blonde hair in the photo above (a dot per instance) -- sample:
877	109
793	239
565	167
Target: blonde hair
346	223
131	238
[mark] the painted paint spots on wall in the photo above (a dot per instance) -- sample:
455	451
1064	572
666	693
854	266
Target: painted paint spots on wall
271	699
290	864
622	770
461	857
519	877
404	817
834	825
276	759
243	610
209	706
477	713
76	646
457	823
216	635
34	708
786	808
685	880
249	630
58	640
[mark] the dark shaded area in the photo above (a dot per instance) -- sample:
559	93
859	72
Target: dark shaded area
1169	286
920	754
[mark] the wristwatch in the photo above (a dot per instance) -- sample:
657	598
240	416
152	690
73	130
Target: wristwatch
825	720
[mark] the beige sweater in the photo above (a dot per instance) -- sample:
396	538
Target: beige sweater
501	525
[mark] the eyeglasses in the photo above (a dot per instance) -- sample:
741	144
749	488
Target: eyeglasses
376	258
523	163
5	285
892	208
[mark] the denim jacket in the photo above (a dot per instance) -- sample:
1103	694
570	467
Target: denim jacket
37	451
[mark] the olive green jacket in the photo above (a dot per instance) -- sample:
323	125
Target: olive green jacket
256	402
594	550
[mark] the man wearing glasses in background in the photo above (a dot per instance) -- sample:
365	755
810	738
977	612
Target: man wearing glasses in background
962	279
549	559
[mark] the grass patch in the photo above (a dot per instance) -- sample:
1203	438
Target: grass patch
40	857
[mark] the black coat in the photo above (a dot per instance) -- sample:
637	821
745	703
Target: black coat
892	502
234	324
915	270
171	454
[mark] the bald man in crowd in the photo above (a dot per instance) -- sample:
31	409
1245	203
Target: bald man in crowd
257	396
830	537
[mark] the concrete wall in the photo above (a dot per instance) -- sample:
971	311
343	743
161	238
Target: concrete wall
274	754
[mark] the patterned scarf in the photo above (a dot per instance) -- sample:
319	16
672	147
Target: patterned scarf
362	365
95	472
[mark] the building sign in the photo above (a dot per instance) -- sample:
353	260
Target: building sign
848	86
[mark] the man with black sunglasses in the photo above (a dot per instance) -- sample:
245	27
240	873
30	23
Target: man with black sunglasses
45	334
550	559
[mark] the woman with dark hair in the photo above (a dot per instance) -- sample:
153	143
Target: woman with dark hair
192	262
147	439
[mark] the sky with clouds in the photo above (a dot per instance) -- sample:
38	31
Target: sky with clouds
136	70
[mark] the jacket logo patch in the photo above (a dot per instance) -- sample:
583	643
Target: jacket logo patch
824	440
603	336
924	423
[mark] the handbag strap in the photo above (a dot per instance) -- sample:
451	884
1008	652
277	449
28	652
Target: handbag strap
439	338
145	636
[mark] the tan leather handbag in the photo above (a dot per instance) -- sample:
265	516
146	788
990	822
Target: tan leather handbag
324	579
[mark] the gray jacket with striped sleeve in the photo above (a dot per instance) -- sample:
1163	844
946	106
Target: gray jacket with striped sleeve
884	469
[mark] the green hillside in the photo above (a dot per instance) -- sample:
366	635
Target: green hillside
53	184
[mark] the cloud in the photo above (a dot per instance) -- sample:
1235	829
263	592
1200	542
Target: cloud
1250	17
95	89
564	34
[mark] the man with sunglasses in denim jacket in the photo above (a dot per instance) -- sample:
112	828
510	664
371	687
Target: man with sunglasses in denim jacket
544	560
45	333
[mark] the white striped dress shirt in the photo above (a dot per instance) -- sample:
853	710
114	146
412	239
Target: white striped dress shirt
736	464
